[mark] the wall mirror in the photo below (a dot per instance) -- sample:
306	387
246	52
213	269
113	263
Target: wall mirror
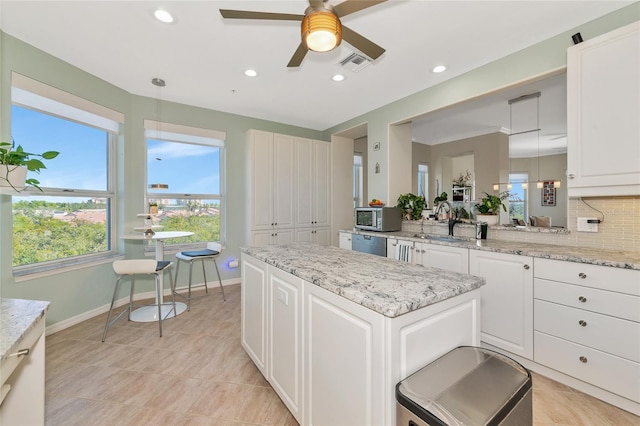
474	140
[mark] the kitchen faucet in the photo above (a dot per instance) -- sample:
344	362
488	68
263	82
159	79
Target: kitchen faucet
452	223
442	204
452	220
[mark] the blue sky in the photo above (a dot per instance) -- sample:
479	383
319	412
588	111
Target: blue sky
81	163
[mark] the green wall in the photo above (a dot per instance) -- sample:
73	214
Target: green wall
74	292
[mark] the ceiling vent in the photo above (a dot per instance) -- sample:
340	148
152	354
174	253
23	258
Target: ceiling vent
355	62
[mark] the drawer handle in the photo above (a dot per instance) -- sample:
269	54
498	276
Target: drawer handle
582	299
583	359
582	275
571	176
21	352
583	323
526	267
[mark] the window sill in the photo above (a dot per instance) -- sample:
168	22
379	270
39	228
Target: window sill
30	272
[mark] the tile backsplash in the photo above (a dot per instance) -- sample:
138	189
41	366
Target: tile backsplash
620	229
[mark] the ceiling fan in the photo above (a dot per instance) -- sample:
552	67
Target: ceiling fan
321	28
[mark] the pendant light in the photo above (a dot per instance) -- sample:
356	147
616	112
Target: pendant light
159	83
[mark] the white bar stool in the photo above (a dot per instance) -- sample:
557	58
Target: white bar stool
131	268
212	252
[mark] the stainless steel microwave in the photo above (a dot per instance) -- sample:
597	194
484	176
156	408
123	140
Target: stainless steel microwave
381	219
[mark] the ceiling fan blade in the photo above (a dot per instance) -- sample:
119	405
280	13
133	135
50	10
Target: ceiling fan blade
351	6
361	43
297	57
247	14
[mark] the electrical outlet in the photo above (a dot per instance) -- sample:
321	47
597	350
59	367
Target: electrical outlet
588	224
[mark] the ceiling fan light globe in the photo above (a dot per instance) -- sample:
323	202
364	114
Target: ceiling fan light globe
321	31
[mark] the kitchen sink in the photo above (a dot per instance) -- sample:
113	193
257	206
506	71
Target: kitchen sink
444	238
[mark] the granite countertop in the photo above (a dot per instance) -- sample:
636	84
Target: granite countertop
594	256
383	285
17	318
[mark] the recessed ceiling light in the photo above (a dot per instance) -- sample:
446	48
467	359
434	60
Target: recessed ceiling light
439	68
337	77
163	16
251	73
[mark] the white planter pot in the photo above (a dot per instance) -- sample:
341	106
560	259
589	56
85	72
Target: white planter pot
13	177
490	219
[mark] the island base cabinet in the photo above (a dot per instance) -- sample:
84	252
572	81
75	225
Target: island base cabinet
344	358
284	370
253	305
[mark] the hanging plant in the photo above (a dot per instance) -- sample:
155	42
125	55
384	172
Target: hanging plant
15	161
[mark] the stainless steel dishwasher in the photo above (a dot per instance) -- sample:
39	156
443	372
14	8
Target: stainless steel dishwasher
369	244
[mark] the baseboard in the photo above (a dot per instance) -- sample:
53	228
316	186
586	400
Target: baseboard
69	322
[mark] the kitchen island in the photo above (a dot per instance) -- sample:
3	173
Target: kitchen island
333	331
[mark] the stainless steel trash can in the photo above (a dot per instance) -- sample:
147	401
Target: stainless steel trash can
467	386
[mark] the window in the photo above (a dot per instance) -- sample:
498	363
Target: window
518	196
190	162
423	180
70	221
357	180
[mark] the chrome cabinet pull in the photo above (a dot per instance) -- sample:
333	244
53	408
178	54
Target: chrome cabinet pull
582	275
583	323
571	176
21	352
582	299
583	359
526	267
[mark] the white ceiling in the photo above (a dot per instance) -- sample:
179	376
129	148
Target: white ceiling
202	57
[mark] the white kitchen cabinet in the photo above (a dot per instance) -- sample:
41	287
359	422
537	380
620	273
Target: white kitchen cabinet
401	250
22	381
285	339
587	324
318	235
313	180
603	114
345	241
274	236
450	258
271	180
253	303
507	300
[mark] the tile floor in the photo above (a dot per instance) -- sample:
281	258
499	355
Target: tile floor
198	374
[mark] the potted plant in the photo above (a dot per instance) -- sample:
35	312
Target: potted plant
15	162
411	205
489	208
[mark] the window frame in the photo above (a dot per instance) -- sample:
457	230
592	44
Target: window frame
176	133
43	99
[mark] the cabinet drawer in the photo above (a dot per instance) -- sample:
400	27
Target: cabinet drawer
608	334
28	342
609	372
590	299
594	276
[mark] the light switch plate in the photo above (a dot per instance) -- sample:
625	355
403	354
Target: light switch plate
585	226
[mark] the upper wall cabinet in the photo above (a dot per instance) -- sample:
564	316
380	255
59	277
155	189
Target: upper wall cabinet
271	180
603	114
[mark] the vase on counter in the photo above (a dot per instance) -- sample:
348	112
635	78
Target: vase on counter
489	219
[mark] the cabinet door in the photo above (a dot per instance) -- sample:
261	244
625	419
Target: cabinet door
345	241
343	361
304	235
283	179
283	236
453	259
321	183
391	247
261	238
303	182
321	236
253	301
261	176
603	114
507	300
285	343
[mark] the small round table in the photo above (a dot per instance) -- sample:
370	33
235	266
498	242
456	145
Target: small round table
150	313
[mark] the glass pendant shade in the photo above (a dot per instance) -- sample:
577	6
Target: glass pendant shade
321	31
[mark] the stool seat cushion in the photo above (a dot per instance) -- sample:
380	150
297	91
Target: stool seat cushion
162	264
200	253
